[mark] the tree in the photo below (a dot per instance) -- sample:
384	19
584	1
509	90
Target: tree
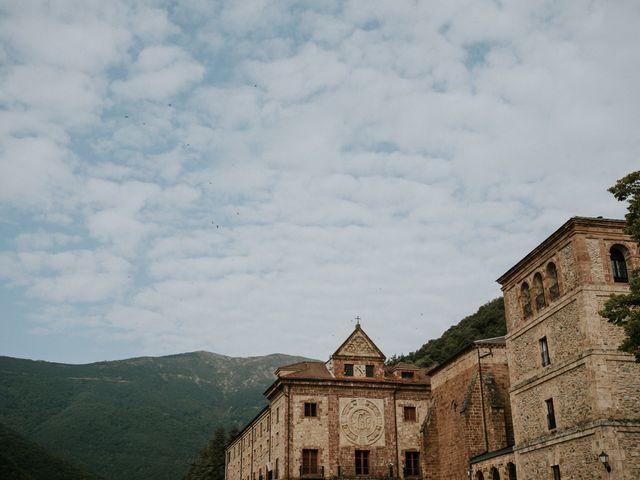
624	310
210	463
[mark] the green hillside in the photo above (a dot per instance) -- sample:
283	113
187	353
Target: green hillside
21	459
142	418
487	322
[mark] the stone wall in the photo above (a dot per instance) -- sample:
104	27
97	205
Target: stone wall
594	387
337	434
467	417
565	339
572	398
504	464
628	459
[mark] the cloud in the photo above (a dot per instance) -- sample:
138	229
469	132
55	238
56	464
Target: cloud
34	171
75	276
160	72
204	175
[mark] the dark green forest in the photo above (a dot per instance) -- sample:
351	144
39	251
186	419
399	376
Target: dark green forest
487	322
143	418
21	459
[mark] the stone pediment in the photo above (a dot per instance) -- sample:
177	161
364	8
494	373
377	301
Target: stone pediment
359	345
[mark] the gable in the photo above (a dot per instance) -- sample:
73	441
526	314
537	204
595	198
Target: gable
359	345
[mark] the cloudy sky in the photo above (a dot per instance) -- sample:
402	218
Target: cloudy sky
247	177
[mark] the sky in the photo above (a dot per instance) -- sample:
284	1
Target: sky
248	177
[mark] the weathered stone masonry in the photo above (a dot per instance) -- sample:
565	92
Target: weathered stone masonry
542	403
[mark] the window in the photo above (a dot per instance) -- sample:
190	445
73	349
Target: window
556	472
309	462
409	414
525	299
278	415
348	369
552	280
412	464
310	409
618	265
275	472
495	475
551	416
369	369
406	374
541	302
362	462
511	470
479	476
544	351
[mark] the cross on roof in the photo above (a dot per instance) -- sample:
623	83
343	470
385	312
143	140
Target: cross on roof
357	319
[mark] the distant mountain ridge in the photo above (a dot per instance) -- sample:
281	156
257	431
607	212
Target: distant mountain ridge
139	418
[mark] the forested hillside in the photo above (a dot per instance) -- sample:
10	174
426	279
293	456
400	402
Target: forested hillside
142	418
21	459
487	322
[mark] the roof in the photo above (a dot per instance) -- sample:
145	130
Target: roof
488	455
491	341
307	370
358	332
568	226
404	366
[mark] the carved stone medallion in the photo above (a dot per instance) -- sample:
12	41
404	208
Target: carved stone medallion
361	421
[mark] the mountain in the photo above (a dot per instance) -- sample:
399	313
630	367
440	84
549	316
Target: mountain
141	418
21	459
487	322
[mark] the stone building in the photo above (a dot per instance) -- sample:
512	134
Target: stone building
347	417
469	423
554	399
574	396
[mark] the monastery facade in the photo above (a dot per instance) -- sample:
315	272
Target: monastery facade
554	399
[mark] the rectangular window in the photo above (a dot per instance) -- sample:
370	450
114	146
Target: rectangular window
544	351
275	471
278	415
406	374
309	462
369	370
556	472
551	415
412	464
310	409
348	369
410	414
362	462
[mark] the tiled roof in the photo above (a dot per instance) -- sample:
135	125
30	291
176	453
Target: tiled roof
310	370
491	341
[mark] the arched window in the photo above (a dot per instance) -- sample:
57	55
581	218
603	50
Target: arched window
618	265
538	288
511	468
552	281
494	474
479	475
525	299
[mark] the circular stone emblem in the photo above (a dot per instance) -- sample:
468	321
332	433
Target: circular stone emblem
361	421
